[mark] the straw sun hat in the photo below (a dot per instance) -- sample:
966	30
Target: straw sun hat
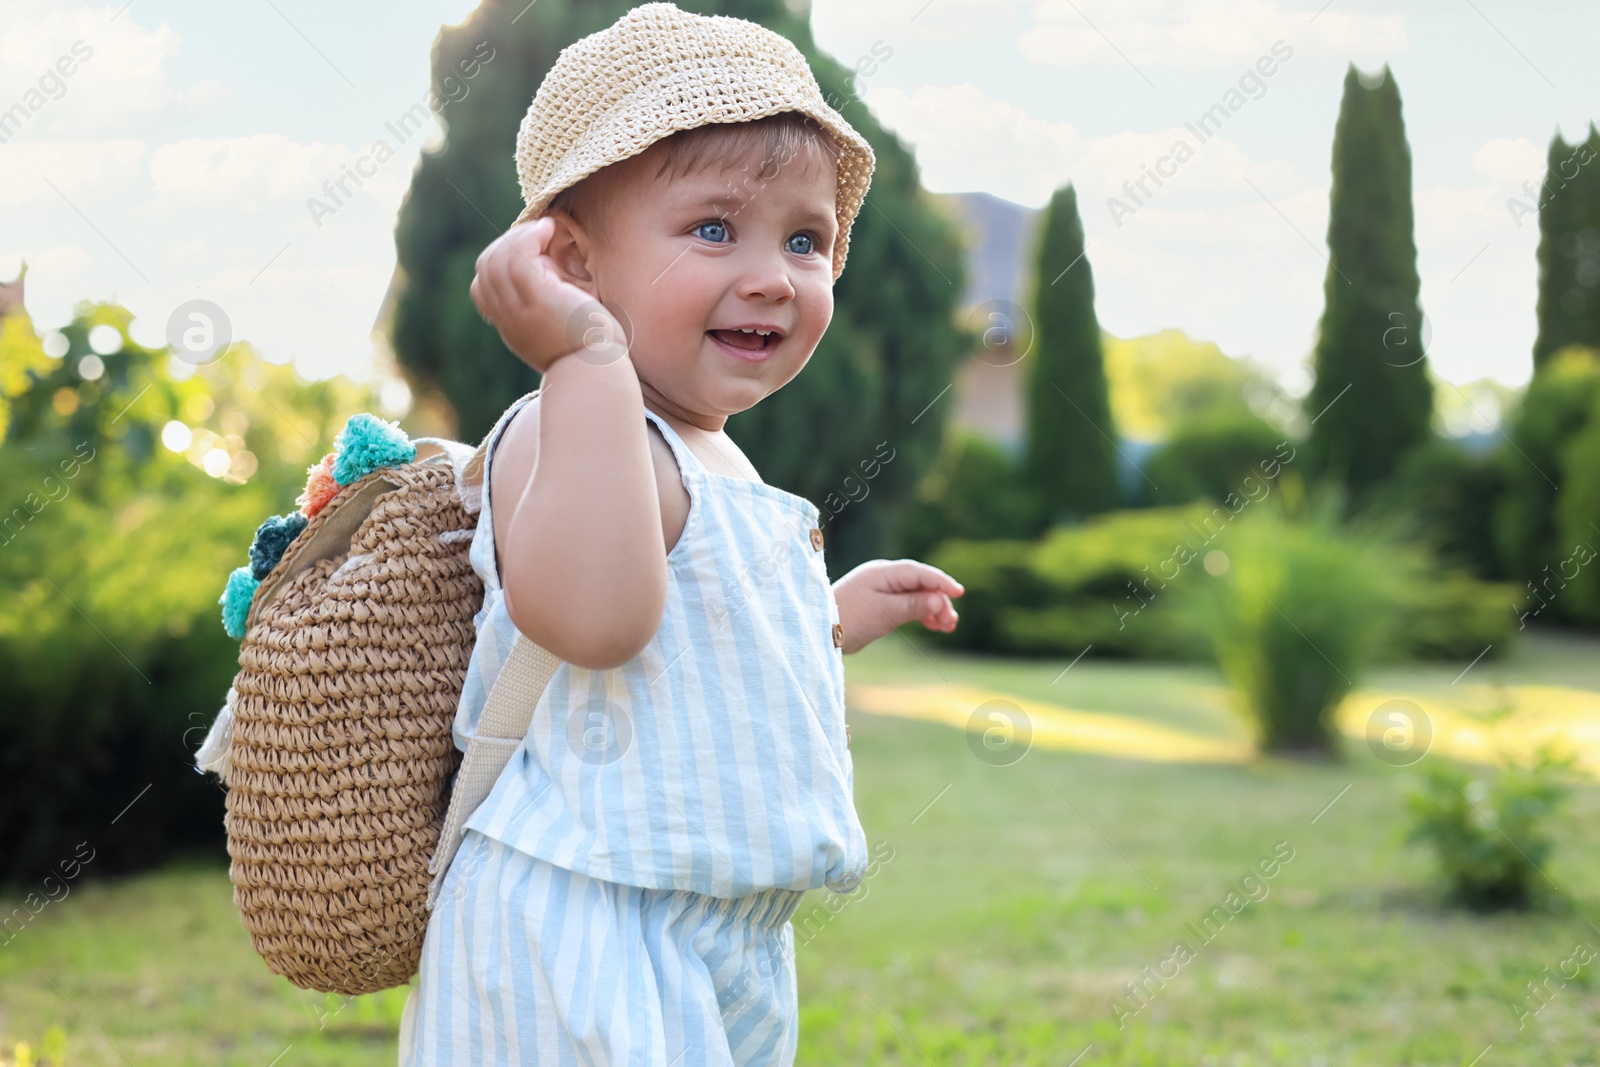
656	71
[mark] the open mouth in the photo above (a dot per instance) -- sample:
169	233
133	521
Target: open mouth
751	341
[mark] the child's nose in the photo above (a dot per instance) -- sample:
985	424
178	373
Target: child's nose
767	279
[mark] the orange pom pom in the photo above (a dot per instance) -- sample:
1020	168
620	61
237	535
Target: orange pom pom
320	487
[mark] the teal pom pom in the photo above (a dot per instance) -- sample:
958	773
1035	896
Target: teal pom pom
272	539
367	443
236	599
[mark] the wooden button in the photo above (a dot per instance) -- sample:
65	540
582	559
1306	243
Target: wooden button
838	635
816	538
846	735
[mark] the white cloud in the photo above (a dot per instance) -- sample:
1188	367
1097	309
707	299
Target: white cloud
60	260
1510	161
233	168
966	139
1119	161
1197	34
118	68
901	21
1442	210
89	169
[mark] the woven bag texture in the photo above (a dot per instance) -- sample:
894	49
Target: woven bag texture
342	755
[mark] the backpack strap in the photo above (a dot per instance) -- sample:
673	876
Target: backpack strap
501	729
512	698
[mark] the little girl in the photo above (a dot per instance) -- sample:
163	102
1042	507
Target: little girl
623	895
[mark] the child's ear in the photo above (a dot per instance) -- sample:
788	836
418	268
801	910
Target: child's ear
571	248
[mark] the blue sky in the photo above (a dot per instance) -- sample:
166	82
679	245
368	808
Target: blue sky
178	159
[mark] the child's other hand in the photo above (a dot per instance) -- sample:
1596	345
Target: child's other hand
882	594
540	315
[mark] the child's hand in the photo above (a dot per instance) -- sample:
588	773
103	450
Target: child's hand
540	315
881	594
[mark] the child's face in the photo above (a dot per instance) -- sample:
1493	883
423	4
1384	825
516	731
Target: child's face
685	262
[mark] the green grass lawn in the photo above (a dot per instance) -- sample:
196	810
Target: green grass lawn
1017	903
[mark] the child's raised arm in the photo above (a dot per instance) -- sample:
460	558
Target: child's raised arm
583	564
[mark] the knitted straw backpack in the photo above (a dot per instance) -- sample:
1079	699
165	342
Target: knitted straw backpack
346	793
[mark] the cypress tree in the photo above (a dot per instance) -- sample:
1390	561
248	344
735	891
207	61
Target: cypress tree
1071	460
861	419
1371	400
1568	202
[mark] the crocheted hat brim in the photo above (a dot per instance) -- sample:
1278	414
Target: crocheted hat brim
657	71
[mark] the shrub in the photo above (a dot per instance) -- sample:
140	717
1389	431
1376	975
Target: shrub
1450	615
112	557
1491	835
973	492
114	660
1449	496
1578	524
1000	580
1301	608
1209	458
1110	583
1095	583
1554	410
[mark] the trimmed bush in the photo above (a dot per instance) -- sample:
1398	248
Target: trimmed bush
1450	615
1110	583
1210	458
1301	608
1448	496
1104	582
973	492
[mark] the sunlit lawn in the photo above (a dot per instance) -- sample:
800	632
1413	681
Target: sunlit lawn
1018	901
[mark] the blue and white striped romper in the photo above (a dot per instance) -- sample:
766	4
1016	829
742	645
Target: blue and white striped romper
623	895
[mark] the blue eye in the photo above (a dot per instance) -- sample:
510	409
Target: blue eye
720	231
804	246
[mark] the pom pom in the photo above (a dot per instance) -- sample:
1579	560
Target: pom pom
272	539
320	487
235	601
367	443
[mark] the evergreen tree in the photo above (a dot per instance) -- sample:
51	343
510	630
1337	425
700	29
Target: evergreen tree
1071	460
840	430
1371	401
1568	202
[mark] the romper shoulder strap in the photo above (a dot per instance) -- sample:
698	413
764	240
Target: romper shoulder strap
687	460
476	474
